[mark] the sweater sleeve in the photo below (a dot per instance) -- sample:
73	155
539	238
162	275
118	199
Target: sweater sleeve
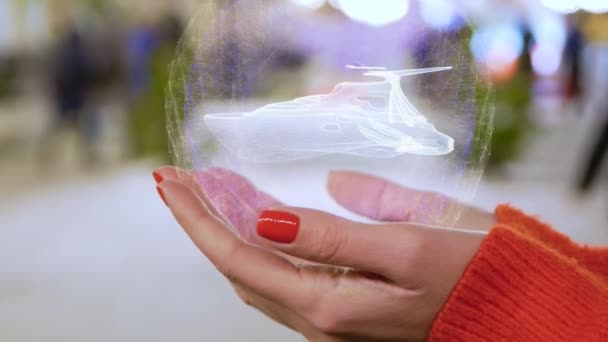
528	283
595	259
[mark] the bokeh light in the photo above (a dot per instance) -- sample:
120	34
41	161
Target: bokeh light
546	59
497	45
439	14
550	33
373	13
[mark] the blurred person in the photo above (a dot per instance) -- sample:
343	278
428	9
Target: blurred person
144	41
141	44
69	81
593	166
572	59
505	276
106	85
595	29
70	77
74	74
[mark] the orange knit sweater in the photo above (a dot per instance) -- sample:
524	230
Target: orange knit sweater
528	283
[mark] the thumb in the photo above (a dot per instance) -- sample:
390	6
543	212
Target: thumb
398	251
382	200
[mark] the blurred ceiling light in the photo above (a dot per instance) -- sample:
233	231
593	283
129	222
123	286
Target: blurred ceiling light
546	59
547	27
571	6
375	13
311	4
439	14
550	33
497	46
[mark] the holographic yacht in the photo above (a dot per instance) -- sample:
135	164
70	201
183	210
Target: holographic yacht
369	119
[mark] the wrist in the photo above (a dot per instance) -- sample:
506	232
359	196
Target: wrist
517	289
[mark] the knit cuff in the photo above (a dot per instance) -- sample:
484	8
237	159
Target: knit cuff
595	259
517	289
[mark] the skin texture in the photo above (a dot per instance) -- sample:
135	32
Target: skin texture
339	280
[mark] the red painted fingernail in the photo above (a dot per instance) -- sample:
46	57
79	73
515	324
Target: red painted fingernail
157	177
278	226
162	196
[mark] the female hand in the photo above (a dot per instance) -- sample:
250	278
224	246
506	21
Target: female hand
357	282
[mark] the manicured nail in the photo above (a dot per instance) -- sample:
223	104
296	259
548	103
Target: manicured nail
278	226
162	196
157	177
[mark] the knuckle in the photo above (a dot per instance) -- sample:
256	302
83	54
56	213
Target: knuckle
331	241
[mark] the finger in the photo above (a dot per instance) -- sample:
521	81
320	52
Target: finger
382	200
241	203
236	198
171	173
243	189
390	250
240	213
176	174
212	188
255	268
328	239
231	196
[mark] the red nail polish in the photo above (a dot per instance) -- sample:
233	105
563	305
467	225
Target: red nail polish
162	196
278	226
157	177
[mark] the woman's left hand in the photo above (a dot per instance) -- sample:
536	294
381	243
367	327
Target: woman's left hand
360	282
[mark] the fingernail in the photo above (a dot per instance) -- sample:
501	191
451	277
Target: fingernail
157	177
162	196
278	226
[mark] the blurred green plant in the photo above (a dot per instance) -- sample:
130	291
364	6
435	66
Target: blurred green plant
148	128
511	120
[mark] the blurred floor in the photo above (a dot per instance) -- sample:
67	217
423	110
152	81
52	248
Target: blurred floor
106	262
96	257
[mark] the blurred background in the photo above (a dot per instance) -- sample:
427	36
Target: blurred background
88	252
